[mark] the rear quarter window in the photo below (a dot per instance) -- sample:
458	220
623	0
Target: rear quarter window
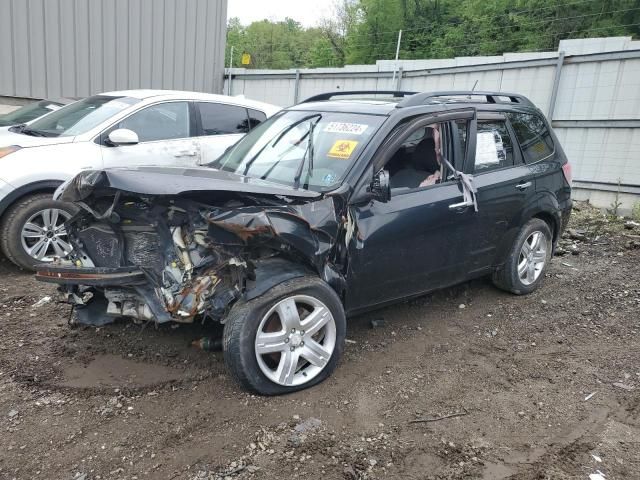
532	135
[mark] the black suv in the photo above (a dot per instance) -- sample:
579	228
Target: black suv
329	208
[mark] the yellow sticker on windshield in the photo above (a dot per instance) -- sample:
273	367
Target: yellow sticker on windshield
342	149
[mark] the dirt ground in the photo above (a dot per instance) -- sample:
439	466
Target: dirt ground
545	386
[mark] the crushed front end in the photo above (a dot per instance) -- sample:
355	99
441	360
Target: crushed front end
178	256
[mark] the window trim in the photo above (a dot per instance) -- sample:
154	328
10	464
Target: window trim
101	137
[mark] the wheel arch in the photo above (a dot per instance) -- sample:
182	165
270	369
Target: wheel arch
43	186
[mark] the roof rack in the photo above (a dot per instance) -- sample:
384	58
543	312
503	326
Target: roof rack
491	97
329	95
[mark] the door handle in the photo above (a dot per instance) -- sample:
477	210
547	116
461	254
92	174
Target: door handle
186	153
523	186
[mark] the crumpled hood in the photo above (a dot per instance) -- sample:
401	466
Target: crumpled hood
171	181
8	138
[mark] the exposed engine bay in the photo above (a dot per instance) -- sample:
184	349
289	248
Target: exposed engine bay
178	256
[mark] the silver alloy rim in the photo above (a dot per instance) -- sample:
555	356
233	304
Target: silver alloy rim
299	341
44	235
532	258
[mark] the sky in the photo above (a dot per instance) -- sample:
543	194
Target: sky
307	12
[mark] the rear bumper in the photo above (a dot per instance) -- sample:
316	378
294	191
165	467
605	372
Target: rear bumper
98	276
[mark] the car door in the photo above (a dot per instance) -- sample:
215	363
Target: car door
415	241
221	125
504	187
165	137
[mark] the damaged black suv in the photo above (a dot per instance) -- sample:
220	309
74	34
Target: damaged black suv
329	208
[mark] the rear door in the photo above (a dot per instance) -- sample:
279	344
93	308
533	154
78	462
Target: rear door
165	138
416	241
221	125
505	186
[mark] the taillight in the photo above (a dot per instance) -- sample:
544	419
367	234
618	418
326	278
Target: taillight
566	169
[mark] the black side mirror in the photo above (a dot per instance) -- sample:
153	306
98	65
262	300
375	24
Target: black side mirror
380	187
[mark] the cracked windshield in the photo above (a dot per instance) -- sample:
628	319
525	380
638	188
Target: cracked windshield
309	150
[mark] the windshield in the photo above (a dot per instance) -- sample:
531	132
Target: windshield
28	112
79	117
311	150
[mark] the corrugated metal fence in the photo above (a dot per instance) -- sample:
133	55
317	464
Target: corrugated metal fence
76	48
590	89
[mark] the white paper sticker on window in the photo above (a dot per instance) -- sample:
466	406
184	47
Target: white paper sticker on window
341	127
53	107
488	147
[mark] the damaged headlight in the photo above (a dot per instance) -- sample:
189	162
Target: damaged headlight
81	186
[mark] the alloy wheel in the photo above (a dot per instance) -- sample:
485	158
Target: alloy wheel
532	258
295	340
44	235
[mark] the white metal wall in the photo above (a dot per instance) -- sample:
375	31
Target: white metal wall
76	48
596	113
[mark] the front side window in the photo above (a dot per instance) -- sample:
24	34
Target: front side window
533	135
79	117
220	119
164	121
310	150
494	148
418	161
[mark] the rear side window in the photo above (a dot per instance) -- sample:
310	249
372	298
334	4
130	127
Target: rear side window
220	119
494	148
256	117
533	135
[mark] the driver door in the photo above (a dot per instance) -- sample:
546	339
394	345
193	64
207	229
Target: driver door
416	241
164	134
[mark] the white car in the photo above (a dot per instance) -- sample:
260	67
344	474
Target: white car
114	129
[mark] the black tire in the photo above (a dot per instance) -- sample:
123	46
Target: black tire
14	219
244	319
506	277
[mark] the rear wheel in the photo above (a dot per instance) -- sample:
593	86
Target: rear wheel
529	258
288	339
33	231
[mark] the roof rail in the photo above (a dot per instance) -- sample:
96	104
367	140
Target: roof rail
491	97
329	95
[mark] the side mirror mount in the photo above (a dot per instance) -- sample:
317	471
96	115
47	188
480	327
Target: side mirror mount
123	136
380	187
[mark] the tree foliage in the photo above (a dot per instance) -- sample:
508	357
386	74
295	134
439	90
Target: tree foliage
363	31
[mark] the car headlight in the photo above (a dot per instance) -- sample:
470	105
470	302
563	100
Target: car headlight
4	151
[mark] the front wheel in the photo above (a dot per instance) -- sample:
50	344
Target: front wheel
33	231
530	255
288	339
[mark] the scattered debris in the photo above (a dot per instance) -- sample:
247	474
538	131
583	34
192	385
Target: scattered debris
624	386
42	301
589	396
630	225
462	305
377	323
350	341
309	424
566	264
597	476
12	413
596	458
208	344
576	234
437	419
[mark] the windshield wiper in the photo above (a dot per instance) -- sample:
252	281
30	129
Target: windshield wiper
279	137
34	133
296	179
